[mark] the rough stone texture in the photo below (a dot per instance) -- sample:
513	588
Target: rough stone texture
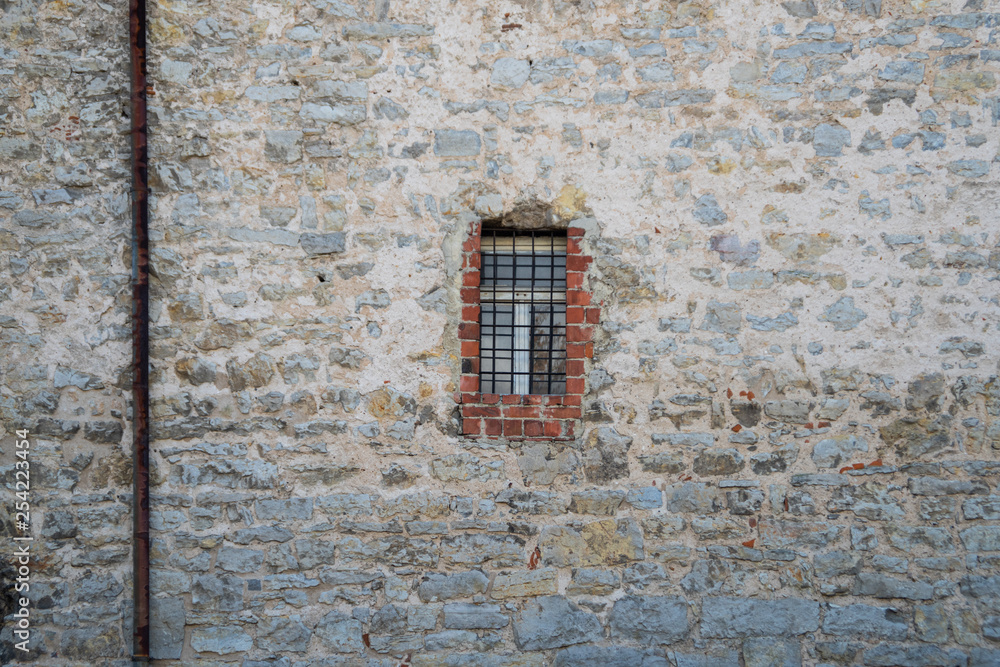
787	362
649	620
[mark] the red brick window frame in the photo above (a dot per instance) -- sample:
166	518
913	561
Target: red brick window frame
526	416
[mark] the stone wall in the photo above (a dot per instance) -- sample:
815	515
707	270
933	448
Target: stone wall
788	445
65	298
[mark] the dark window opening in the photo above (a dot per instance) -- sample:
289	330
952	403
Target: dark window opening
523	312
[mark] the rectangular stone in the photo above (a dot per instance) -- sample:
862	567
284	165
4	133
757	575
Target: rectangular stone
525	584
724	617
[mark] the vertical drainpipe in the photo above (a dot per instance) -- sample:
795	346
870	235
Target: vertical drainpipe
140	335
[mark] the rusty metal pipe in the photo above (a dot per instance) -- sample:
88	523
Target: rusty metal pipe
140	334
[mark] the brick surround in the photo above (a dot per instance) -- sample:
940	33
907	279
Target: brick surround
529	416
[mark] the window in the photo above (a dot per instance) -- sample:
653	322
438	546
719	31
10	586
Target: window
522	290
526	332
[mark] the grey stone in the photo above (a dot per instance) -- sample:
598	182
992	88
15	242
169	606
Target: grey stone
691	497
510	72
271	94
59	525
810	49
609	656
987	508
716	656
724	617
339	633
284	146
764	463
645	498
16	148
464	616
829	140
931	622
745	280
659	99
835	563
323	244
796	412
67	377
870	500
969	168
595	48
708	212
781	322
525	584
934	486
984	657
889	655
435	587
910	538
707	576
103	432
222	639
981	538
338	114
284	510
718	461
832	408
456	143
260	534
280	633
232	559
722	318
605	455
885	587
166	631
554	622
217	592
843	315
477	549
379	31
745	502
313	553
649	620
835	451
903	71
596	501
588	581
865	621
771	652
780	534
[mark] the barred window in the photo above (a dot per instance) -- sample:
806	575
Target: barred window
523	312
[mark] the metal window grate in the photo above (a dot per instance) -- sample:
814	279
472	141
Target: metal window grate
523	312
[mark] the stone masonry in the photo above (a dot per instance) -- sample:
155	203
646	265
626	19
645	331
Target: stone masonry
787	444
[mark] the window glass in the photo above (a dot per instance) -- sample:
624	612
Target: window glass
523	312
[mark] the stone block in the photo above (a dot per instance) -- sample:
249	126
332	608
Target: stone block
525	584
166	628
435	587
464	616
588	581
861	620
284	510
510	72
609	656
771	652
649	620
554	622
890	655
726	617
339	633
221	639
456	143
885	587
